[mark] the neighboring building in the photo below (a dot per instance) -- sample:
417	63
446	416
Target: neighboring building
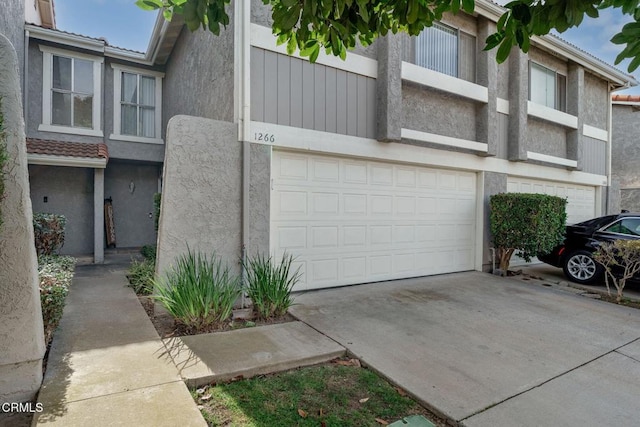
458	127
626	149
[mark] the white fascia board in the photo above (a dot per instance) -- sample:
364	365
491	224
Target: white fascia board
545	158
134	70
126	55
78	162
443	140
502	106
298	139
263	38
635	104
552	115
595	133
424	76
65	38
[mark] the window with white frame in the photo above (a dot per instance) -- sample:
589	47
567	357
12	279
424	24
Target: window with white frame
137	105
447	50
546	87
71	88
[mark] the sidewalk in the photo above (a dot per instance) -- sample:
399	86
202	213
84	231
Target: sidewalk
107	365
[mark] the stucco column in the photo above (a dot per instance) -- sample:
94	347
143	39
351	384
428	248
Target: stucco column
21	331
389	87
487	75
575	106
98	216
518	98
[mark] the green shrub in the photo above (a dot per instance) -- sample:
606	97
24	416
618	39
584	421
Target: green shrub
48	232
55	274
3	160
141	275
527	224
149	252
621	262
269	284
156	209
198	291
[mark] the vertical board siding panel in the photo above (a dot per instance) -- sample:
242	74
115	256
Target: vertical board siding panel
503	131
319	122
284	90
296	92
371	108
594	157
257	84
362	106
341	102
270	87
308	91
331	100
467	66
352	104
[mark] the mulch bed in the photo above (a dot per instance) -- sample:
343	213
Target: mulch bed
167	327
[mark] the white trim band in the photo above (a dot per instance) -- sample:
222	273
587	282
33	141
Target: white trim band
424	76
78	162
552	115
595	133
545	158
502	106
291	138
263	38
70	130
443	140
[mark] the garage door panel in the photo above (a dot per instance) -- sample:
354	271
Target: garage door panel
353	221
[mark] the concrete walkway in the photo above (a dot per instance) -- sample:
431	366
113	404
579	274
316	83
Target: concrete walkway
107	365
486	351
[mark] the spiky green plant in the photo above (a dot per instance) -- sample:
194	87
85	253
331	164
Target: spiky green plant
269	284
141	275
198	291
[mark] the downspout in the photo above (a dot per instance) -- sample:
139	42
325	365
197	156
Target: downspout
243	48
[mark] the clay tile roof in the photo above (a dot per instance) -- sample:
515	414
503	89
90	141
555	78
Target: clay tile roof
625	98
67	149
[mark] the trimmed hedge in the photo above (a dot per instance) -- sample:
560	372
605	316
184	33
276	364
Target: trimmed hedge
527	224
55	274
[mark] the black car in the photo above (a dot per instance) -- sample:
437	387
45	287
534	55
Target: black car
575	254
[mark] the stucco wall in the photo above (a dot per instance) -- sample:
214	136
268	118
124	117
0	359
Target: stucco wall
546	138
596	101
69	191
12	26
199	76
132	211
259	199
423	110
548	60
21	331
201	196
503	79
625	154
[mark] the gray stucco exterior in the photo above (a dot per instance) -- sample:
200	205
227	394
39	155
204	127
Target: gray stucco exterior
626	152
12	27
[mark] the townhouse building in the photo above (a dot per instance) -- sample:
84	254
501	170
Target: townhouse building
626	150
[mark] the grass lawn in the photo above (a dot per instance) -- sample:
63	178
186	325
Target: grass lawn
335	394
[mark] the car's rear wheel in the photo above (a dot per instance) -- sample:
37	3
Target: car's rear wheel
580	267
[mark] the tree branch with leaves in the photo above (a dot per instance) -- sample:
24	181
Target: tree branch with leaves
309	26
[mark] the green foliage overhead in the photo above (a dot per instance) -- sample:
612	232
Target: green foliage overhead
336	25
527	224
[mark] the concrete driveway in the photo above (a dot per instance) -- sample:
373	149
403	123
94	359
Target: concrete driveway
489	351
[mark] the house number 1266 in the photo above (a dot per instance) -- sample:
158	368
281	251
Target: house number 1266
266	137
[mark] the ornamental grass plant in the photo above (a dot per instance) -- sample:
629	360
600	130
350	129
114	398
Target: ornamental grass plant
269	284
198	291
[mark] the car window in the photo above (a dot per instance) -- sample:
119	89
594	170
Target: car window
629	226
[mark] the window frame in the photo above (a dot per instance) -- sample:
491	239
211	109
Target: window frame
557	98
117	134
47	88
458	56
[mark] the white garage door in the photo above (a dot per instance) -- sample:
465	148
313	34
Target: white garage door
581	199
351	221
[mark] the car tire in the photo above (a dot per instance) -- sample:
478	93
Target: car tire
580	267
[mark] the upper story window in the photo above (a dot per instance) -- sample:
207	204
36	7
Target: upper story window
71	87
546	87
137	105
447	50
